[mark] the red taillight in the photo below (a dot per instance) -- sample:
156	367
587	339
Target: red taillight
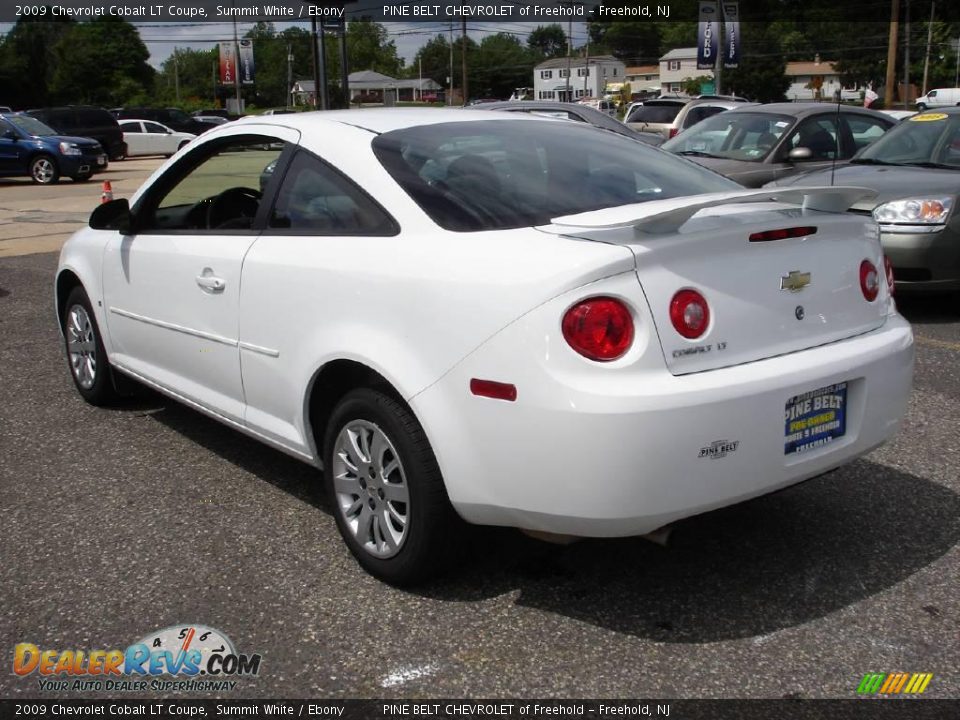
493	389
783	233
674	131
689	313
869	280
599	328
888	266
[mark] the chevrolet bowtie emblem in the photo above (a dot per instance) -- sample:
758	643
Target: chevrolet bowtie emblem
795	281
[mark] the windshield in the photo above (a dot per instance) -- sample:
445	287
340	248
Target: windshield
929	138
736	135
179	115
497	174
655	113
30	125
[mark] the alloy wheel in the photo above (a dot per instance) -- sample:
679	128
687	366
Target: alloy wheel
81	346
371	488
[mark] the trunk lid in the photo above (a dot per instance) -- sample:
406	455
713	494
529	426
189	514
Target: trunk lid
766	298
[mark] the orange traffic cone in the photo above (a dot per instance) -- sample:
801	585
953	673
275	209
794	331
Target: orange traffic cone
107	194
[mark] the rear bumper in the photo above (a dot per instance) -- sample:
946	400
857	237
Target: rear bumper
620	455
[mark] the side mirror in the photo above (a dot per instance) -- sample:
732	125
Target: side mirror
800	153
113	215
10	135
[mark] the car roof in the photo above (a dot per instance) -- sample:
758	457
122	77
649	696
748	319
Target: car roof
380	120
806	108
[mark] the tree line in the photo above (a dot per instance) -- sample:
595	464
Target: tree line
105	62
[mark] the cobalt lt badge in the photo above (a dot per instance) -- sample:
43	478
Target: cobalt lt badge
795	281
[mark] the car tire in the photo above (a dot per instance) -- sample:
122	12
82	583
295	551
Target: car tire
385	489
182	145
921	107
86	356
44	170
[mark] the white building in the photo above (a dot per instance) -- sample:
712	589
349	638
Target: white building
587	77
678	66
817	80
643	78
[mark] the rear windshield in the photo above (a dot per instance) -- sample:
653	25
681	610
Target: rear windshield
497	174
654	113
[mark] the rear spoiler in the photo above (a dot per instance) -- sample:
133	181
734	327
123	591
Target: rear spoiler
666	216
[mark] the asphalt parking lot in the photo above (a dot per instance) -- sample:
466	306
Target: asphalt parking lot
123	521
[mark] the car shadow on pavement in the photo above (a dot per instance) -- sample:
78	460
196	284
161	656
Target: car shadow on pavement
282	471
748	570
938	308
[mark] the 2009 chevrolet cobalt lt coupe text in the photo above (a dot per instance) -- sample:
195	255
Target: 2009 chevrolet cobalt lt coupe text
506	320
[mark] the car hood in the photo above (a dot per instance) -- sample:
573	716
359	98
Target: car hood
83	142
889	182
738	170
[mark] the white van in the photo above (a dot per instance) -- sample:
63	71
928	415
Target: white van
941	97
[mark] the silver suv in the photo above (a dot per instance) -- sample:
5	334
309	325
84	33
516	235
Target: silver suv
670	117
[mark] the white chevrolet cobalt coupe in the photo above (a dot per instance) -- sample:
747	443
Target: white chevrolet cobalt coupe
505	320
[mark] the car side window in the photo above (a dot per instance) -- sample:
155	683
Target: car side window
315	199
130	127
864	130
819	135
152	127
217	187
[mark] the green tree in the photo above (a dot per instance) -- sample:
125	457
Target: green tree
103	62
28	63
369	49
500	64
434	59
548	41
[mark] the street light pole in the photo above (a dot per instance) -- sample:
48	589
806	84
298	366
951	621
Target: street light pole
906	57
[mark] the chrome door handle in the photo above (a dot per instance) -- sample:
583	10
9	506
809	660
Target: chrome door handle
211	283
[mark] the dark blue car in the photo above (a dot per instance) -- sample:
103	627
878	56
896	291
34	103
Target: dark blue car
28	147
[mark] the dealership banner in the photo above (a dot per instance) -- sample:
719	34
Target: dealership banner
246	62
228	63
731	40
708	35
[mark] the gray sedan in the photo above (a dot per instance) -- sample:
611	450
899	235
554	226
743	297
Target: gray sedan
915	168
758	144
571	111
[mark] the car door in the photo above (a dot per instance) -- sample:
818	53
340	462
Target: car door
133	136
818	133
172	286
159	139
320	224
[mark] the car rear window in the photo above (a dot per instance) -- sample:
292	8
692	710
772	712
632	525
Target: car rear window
654	113
498	174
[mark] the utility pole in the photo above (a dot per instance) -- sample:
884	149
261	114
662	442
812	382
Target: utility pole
316	61
289	74
322	91
215	83
420	75
450	76
906	57
892	53
586	72
463	60
344	65
926	59
176	74
236	62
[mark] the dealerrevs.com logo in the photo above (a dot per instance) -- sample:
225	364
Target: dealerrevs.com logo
196	656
